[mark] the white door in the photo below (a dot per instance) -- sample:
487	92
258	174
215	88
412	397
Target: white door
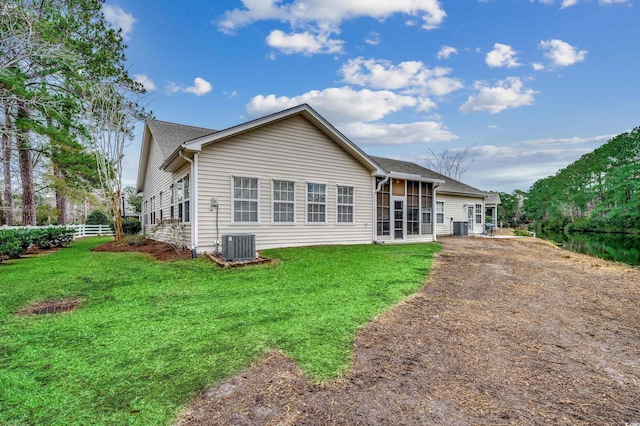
398	219
470	210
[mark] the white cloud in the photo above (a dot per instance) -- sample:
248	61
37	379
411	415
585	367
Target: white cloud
508	93
575	140
200	87
356	112
613	1
340	105
118	18
373	38
492	126
525	162
146	82
537	66
313	22
373	134
305	43
445	52
172	88
568	3
413	77
320	12
561	53
502	55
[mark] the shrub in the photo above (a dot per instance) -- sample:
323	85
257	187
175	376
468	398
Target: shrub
11	244
135	240
521	232
97	217
173	233
131	226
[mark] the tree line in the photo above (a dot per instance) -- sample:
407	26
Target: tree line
598	192
68	106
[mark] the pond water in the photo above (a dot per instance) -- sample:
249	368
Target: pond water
618	247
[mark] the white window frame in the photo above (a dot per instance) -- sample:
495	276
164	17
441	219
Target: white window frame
352	204
307	203
172	201
160	206
233	200
440	213
153	210
478	213
274	201
181	203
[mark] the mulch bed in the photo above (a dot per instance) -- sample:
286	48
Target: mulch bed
505	332
160	251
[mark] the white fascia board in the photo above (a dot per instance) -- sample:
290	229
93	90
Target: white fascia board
409	176
144	158
469	194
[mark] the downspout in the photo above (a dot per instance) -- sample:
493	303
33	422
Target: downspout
435	211
194	196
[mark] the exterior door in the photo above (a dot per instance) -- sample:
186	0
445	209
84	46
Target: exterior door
470	210
398	219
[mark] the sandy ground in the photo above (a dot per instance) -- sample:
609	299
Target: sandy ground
506	331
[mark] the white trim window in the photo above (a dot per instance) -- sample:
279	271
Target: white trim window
145	209
153	210
183	199
316	203
440	212
478	213
283	201
345	200
245	200
172	198
160	207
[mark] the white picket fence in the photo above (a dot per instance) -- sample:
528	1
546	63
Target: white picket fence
81	230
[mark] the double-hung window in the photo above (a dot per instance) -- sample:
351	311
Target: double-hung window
316	203
160	207
171	202
345	203
183	199
478	213
153	210
245	199
439	211
283	201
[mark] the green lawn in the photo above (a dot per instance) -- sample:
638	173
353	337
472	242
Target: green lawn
149	335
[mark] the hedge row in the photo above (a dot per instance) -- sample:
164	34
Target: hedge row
16	242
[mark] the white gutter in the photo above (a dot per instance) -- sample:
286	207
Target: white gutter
194	196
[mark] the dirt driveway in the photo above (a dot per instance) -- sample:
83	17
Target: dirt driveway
506	331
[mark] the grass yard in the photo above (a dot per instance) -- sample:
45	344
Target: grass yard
149	336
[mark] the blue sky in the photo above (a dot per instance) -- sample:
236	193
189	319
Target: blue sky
531	85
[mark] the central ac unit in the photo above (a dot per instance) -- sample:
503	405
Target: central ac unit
238	247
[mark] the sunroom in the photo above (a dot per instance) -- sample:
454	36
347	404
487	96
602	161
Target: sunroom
405	206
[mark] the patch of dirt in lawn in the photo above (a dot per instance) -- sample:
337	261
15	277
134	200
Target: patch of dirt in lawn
160	251
50	307
506	331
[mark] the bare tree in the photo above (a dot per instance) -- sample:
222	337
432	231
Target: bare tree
452	163
112	113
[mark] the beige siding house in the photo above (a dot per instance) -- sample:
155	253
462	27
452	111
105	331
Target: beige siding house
289	179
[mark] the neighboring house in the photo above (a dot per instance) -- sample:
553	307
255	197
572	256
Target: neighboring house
292	179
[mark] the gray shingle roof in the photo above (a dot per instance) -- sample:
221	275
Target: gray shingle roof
450	185
169	136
